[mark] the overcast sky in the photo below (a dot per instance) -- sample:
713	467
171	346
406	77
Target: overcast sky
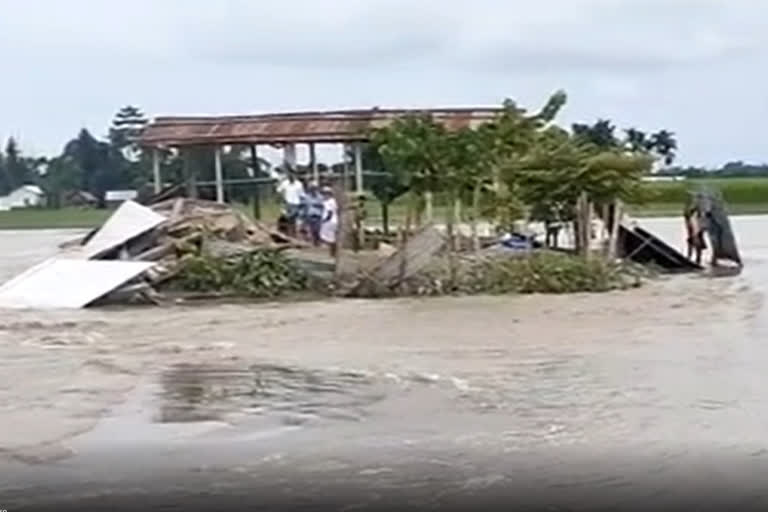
695	67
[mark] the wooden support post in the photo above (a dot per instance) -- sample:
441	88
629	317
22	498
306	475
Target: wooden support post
428	206
289	157
256	195
190	177
156	170
359	168
614	236
219	174
359	193
313	163
606	230
342	229
587	227
584	225
345	168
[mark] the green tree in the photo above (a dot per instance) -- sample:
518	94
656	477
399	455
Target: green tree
385	184
135	165
516	134
411	148
562	167
5	182
127	126
475	159
602	133
636	140
16	170
664	144
550	174
62	175
99	166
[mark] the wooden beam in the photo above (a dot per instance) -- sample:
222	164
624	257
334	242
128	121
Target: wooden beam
219	175
313	162
359	168
190	176
360	203
156	170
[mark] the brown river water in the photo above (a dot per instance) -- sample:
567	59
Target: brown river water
626	397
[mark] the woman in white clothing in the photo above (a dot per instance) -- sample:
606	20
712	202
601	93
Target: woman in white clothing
330	219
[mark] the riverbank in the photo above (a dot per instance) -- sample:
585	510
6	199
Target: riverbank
78	218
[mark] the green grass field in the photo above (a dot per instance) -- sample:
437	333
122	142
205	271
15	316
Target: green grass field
744	196
34	218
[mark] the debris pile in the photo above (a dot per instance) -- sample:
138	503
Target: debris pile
186	249
200	236
148	248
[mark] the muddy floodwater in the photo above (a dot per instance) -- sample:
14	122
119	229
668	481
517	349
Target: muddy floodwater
645	393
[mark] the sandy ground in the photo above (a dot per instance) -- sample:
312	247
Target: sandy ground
674	366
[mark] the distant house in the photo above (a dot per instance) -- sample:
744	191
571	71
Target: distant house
26	196
663	178
80	198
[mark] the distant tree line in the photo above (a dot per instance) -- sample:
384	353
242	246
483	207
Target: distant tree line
736	169
115	162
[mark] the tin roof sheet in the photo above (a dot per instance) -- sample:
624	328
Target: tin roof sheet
337	126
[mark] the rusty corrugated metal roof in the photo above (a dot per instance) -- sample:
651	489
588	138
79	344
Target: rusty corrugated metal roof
323	127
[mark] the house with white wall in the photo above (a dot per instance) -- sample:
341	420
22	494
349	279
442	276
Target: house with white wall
26	196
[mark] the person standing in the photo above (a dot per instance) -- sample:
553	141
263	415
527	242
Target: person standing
313	212
291	190
330	221
695	234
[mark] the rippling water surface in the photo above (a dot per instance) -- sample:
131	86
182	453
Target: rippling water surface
627	391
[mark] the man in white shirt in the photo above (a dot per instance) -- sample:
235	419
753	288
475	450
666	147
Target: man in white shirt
330	221
291	191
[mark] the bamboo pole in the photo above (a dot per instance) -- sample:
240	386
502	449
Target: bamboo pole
452	225
606	229
313	162
584	227
340	194
219	170
475	215
156	170
428	206
588	227
614	237
406	233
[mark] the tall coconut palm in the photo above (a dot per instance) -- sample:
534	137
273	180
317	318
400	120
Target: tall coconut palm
664	144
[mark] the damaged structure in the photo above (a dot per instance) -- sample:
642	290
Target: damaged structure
136	250
351	128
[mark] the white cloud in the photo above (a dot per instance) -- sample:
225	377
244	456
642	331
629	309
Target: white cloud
653	63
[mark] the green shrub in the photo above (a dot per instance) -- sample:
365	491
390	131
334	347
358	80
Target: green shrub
551	272
538	272
260	274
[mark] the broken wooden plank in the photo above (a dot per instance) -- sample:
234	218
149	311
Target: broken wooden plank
129	221
643	247
67	283
156	253
418	253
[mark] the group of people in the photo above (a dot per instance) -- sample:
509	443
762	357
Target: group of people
309	212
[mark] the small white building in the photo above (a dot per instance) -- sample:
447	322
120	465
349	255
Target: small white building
26	196
663	178
118	196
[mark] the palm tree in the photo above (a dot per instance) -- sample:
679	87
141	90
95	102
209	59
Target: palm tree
664	144
637	140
